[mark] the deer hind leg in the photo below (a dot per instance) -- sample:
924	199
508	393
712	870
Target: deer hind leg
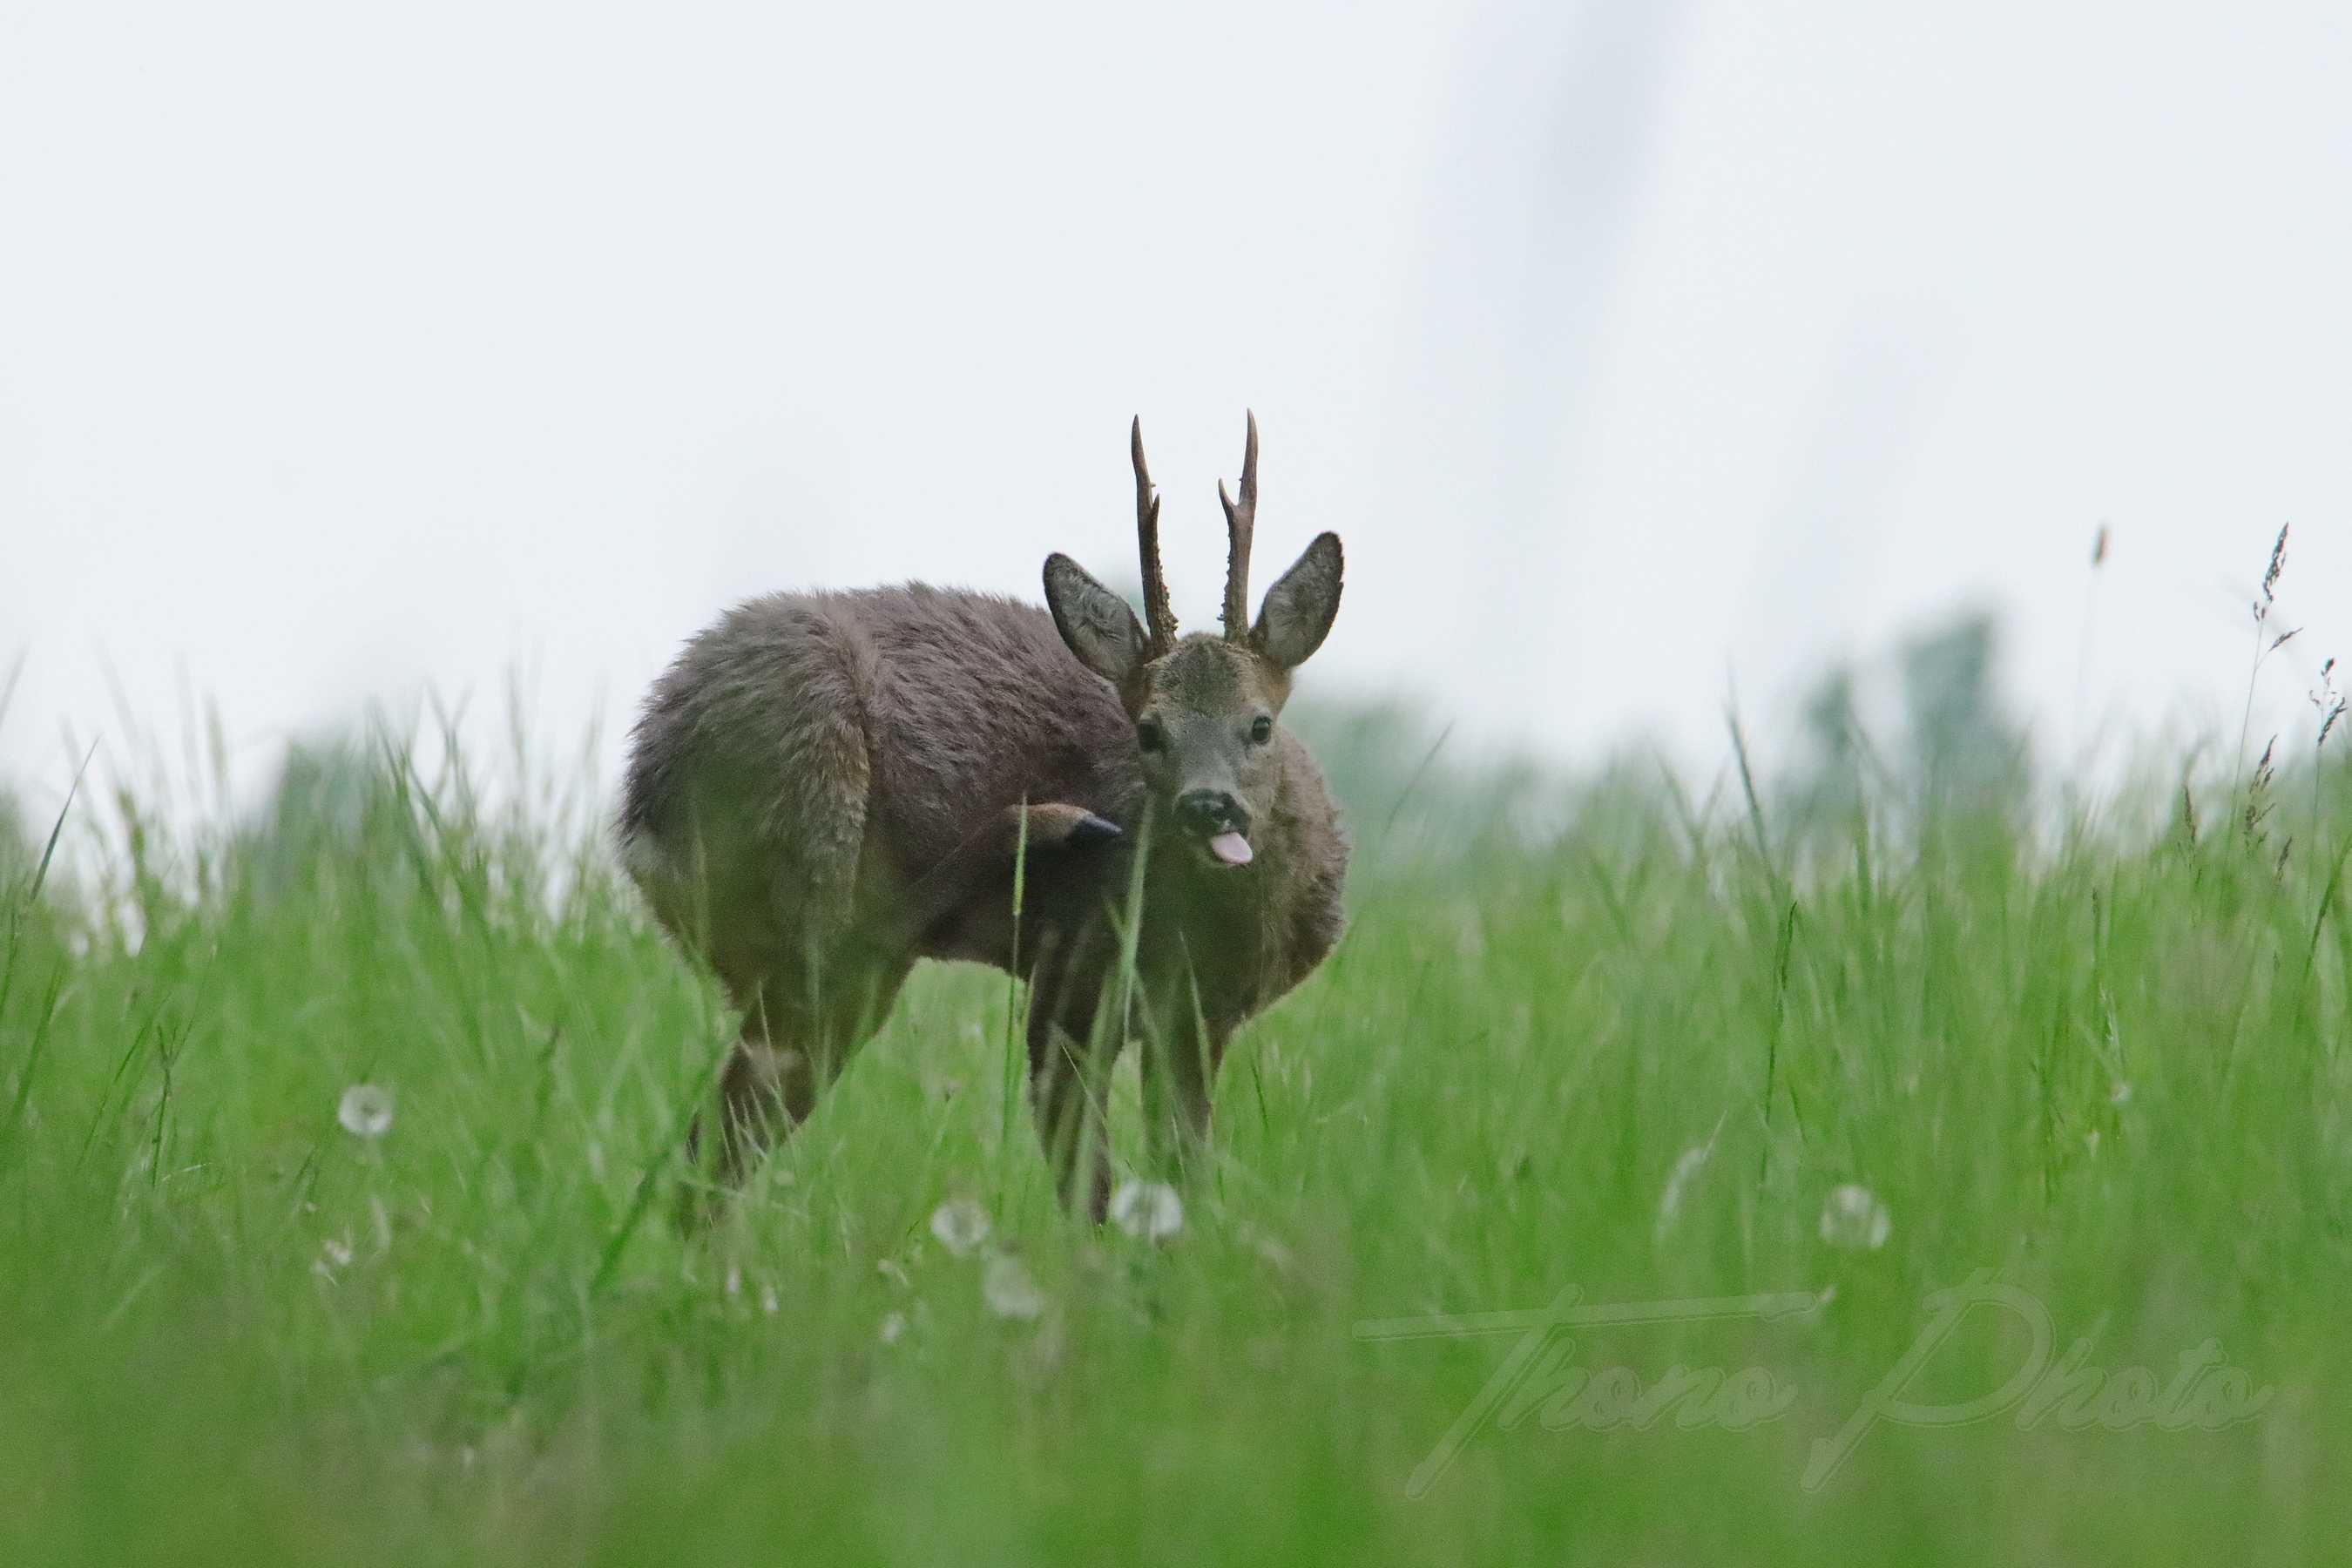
1070	1060
1073	1113
770	1084
798	1035
821	989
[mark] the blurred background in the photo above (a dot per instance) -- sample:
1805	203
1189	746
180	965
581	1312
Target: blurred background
1651	355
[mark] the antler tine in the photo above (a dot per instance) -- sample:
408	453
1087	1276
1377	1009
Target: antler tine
1241	523
1157	617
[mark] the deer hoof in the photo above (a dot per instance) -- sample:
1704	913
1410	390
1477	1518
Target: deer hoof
1058	824
1093	829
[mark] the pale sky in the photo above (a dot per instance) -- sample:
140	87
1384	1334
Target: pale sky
1640	352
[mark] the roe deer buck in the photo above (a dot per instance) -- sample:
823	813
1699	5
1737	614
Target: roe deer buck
825	787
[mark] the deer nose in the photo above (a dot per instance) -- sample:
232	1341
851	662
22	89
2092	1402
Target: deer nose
1210	810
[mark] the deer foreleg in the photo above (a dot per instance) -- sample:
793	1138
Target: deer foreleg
1179	1076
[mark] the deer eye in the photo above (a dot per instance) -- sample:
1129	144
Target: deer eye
1149	735
1262	729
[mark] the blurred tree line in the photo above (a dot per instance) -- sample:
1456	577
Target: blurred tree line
1955	749
16	851
1938	745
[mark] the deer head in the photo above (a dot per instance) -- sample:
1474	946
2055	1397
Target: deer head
1205	707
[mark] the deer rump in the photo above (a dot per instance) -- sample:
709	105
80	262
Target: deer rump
820	772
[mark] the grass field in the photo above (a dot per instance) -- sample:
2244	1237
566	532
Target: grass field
2103	1073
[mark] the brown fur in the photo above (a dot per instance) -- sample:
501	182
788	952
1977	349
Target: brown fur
826	787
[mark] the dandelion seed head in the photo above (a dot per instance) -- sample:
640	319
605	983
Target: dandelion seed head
1153	1211
1855	1220
893	1328
961	1226
1008	1291
365	1110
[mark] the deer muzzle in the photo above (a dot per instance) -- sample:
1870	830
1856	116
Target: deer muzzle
1219	822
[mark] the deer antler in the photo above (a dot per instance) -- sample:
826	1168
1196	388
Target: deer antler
1157	615
1241	521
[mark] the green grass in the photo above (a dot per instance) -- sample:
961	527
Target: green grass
2112	1071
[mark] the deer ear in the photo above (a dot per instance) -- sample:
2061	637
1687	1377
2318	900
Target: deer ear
1299	608
1095	622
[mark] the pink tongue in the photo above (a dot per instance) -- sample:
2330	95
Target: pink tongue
1232	848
